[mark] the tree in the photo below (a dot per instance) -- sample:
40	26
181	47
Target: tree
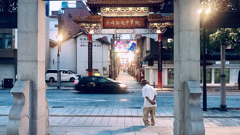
170	46
230	37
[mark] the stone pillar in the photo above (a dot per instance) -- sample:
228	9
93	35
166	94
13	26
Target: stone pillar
186	65
31	61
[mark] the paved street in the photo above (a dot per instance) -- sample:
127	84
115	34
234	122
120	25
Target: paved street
73	113
134	98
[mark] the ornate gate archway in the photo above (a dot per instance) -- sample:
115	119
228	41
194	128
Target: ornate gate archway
126	17
188	116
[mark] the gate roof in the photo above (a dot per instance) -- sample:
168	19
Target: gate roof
95	5
153	18
124	3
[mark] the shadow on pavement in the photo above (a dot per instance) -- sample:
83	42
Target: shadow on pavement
131	129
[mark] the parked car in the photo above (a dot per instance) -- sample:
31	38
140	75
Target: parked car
98	84
66	75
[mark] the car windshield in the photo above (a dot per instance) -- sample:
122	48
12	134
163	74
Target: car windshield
72	72
110	79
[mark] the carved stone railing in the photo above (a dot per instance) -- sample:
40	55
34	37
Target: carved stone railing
194	114
19	115
46	115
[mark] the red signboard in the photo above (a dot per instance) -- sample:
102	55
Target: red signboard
125	22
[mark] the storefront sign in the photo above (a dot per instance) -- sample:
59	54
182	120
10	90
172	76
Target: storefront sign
219	62
124	22
124	31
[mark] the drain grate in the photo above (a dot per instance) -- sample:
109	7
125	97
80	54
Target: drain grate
134	107
58	107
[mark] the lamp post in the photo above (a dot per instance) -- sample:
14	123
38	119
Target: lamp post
207	11
159	32
60	37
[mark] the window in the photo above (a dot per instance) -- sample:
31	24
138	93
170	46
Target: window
102	80
52	71
65	72
5	41
208	75
217	73
84	38
79	5
170	76
91	79
80	38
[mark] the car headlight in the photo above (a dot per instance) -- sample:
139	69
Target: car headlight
122	85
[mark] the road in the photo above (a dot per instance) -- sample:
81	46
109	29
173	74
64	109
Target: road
129	100
134	98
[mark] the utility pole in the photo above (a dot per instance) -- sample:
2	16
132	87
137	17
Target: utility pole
204	74
113	57
223	81
60	37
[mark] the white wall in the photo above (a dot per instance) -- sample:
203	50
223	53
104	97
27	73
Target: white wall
164	76
16	45
47	49
100	56
53	31
68	55
82	56
233	76
7	71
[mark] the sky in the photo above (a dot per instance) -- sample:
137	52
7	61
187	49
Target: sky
55	6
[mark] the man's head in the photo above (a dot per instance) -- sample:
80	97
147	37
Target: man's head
143	82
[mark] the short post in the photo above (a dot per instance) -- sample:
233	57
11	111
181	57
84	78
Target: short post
50	82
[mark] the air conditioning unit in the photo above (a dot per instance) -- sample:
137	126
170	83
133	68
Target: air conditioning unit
104	68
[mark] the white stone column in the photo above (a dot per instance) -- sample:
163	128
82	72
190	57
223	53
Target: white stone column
31	60
186	63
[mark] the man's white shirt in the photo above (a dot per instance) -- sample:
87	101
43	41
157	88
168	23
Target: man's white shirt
150	92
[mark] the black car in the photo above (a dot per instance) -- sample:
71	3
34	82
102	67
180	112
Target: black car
98	84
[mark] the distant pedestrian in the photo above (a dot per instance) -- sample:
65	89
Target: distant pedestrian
150	95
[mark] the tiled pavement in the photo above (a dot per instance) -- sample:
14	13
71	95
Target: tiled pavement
124	121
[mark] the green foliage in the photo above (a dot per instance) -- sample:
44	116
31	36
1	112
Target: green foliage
220	5
207	39
229	37
170	46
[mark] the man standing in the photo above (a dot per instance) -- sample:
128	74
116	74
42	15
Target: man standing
150	95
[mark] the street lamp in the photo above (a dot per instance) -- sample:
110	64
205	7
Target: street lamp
207	11
60	37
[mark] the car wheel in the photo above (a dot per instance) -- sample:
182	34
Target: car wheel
72	79
51	78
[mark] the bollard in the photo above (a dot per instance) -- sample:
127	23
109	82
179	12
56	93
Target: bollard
50	82
153	84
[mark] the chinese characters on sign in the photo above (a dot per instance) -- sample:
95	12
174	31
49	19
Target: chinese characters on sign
134	22
90	56
160	56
